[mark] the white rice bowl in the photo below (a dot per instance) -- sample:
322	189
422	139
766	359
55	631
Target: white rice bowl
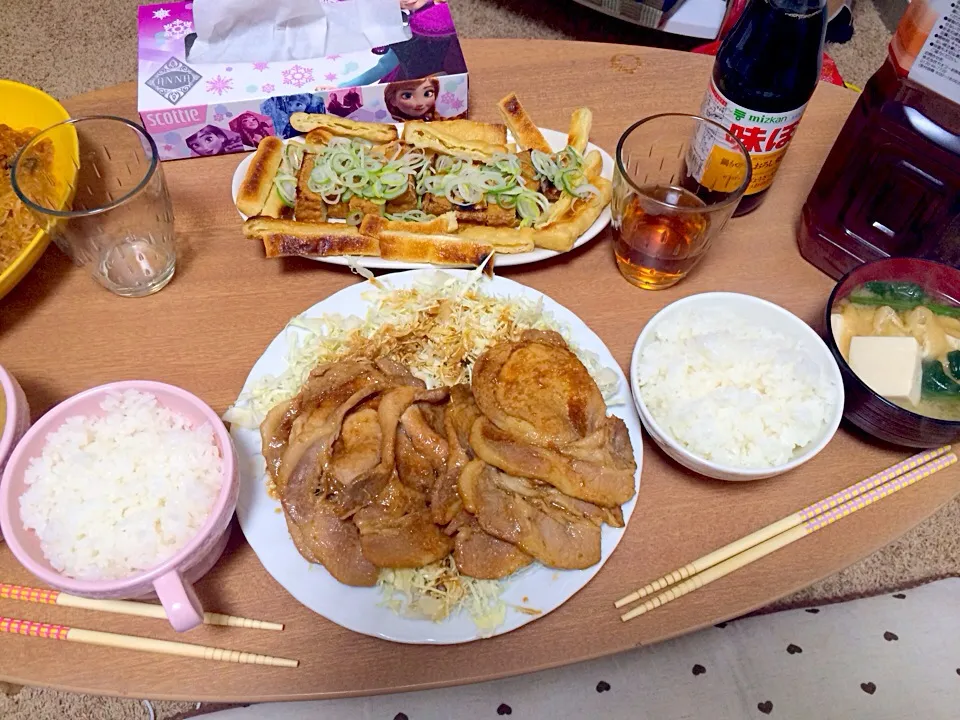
113	496
738	383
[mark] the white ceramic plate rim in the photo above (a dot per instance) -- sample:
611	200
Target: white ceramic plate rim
556	139
655	429
359	609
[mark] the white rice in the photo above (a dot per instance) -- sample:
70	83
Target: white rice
732	392
113	496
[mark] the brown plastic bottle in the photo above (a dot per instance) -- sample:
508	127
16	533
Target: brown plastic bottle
891	184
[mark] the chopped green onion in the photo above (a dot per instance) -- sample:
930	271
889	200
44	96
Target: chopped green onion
346	167
293	153
410	216
287	188
564	170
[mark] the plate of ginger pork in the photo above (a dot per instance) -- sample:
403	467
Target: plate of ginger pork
435	456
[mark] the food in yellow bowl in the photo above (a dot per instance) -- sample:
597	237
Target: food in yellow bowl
17	224
23	111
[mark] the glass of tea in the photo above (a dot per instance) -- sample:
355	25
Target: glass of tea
117	219
670	199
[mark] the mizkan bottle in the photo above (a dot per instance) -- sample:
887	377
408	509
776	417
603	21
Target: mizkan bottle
766	69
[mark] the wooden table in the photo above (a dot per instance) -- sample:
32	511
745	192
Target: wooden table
62	333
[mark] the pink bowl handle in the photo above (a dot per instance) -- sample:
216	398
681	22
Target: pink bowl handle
180	602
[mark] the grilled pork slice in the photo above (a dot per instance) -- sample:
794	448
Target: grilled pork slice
322	537
551	535
330	451
396	530
482	556
599	469
315	524
537	390
461	413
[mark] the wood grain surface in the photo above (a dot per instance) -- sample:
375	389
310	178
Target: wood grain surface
61	333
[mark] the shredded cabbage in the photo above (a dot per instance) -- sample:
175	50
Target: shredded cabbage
438	328
437	591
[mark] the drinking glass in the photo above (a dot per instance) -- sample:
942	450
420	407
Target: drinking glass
678	178
117	218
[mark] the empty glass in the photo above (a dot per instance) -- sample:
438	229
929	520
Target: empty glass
677	180
117	219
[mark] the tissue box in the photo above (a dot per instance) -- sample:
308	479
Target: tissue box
193	109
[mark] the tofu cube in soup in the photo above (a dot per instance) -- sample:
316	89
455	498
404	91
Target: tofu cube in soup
890	366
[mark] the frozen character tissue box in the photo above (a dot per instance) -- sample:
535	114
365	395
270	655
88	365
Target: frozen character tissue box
195	109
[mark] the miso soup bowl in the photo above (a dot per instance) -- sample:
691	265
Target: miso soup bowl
866	409
170	581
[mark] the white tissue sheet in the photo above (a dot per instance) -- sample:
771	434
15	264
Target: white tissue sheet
257	31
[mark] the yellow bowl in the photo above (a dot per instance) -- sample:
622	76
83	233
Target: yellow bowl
22	106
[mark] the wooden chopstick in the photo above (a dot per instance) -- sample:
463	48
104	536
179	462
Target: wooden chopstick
793	534
135	642
122	607
781	526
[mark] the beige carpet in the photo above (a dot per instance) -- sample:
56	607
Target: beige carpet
95	46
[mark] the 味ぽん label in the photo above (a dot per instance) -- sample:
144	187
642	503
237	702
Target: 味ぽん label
714	157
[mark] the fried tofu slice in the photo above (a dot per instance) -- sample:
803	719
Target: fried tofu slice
431	136
275	207
317	140
504	240
579	134
526	134
407	201
481	214
435	249
491	215
258	180
363	206
309	206
285	238
436	205
492	133
445	224
338	211
342	127
562	234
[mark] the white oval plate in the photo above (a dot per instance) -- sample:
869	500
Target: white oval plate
556	139
359	608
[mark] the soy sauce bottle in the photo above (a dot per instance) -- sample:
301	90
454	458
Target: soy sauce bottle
766	69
